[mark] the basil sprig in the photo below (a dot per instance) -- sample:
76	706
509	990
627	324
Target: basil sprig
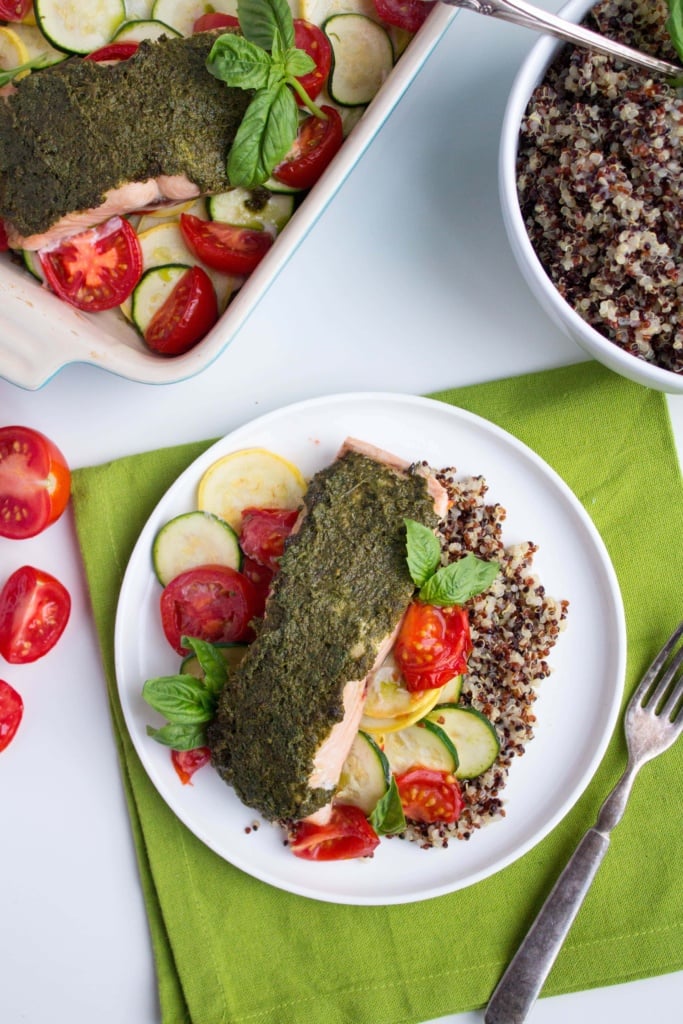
186	702
265	59
387	817
445	585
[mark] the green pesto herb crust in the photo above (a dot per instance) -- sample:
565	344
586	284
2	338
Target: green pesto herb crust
75	130
342	587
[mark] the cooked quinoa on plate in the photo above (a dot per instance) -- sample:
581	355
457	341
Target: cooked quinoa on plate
600	181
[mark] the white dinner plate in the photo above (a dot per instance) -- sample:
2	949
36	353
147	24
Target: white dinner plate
577	706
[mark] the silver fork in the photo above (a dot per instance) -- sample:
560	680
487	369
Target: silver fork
653	720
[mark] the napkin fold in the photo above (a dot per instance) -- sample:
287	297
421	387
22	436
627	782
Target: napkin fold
229	948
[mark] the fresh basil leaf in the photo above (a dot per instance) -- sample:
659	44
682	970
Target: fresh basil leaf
261	20
297	63
424	551
183	699
459	582
179	737
211	661
674	24
239	63
388	818
264	137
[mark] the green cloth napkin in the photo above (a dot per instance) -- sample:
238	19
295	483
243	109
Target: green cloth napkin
231	949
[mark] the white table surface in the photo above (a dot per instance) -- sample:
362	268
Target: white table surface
406	284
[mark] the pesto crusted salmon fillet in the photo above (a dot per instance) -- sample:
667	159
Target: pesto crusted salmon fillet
288	715
81	142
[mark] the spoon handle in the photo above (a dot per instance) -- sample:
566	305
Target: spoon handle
520	13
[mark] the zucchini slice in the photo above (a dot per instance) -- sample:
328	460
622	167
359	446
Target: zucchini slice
365	776
257	208
450	693
137	30
192	539
473	735
388	696
249	478
152	290
362	57
75	27
425	746
32	263
182	14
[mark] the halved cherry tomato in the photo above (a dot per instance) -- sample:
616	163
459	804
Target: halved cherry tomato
314	42
261	578
34	611
35	482
14	10
211	602
4	241
11	711
187	762
215	19
263	533
432	645
113	51
347	834
96	269
189	312
406	14
428	795
316	143
225	247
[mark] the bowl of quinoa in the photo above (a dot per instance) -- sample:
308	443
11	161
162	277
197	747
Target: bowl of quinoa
591	186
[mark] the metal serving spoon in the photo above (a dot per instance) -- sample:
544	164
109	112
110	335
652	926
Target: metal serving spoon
519	13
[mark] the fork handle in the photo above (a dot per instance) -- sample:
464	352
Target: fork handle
517	990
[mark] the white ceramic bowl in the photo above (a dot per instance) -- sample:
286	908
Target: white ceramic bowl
40	334
597	345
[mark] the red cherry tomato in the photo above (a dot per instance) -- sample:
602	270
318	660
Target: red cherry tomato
96	269
35	482
406	14
263	533
189	312
432	645
34	611
14	10
187	762
113	51
347	834
211	602
261	578
11	711
315	43
316	143
428	795
4	242
215	19
225	247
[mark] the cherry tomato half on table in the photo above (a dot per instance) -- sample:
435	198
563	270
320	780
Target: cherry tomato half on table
11	711
316	143
432	645
35	482
14	10
189	312
225	247
34	611
211	602
187	762
428	795
96	269
347	834
409	15
313	41
263	533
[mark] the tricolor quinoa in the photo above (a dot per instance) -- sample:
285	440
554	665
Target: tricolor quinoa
600	181
514	626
